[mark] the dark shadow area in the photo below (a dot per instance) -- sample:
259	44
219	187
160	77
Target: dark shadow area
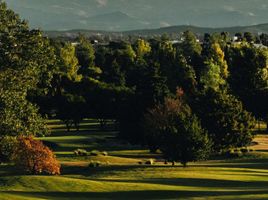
263	150
86	126
9	170
139	156
260	163
151	194
261	132
199	182
97	171
83	132
59	122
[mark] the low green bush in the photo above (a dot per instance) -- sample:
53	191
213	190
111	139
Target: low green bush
98	153
80	152
94	153
94	164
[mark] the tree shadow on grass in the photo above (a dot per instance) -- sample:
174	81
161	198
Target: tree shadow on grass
9	170
260	164
149	194
237	168
197	182
262	150
97	171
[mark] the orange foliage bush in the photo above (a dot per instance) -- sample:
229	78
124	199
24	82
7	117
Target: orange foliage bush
34	157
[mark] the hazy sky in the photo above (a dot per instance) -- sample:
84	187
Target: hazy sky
133	14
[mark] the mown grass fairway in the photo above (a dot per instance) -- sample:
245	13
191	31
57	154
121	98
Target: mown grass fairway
121	177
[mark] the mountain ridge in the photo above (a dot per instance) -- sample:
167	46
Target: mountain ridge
255	29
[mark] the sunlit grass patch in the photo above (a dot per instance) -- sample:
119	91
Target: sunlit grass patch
122	173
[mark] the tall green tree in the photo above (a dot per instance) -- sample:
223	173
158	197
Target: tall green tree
26	65
215	71
142	47
69	65
249	77
249	37
172	128
85	54
223	115
191	49
149	89
264	39
67	99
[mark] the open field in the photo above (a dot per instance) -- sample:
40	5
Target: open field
121	177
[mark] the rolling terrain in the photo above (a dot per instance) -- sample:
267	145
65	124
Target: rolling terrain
123	174
256	29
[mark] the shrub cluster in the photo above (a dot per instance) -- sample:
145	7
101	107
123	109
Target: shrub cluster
33	157
80	152
84	152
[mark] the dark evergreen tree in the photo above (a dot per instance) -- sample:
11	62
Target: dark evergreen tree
172	128
223	115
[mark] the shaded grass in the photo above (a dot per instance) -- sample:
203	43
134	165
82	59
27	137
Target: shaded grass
157	194
133	182
124	178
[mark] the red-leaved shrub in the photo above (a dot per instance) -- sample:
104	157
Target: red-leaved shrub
34	157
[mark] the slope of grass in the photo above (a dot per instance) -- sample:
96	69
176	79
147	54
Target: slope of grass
206	180
124	178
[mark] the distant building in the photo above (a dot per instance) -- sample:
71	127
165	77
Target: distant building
235	39
94	42
176	41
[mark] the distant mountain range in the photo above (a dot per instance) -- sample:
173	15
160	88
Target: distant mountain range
125	15
255	29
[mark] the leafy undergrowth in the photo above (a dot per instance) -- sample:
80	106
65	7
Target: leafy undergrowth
122	176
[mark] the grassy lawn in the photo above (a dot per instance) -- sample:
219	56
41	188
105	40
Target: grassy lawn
121	177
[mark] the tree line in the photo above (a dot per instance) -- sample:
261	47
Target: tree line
186	99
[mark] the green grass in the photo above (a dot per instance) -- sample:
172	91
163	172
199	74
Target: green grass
124	178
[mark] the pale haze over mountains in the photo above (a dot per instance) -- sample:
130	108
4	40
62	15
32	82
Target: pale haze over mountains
121	15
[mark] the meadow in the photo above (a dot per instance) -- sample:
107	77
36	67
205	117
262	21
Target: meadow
123	174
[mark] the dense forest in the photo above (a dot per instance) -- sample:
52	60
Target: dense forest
189	99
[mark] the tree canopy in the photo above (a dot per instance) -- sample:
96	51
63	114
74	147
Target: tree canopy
26	65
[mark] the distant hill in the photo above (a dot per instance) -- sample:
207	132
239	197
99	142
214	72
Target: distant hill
255	29
125	15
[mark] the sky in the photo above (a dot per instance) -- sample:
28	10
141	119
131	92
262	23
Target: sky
139	14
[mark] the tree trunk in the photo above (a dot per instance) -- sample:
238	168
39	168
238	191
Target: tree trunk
184	164
77	126
68	127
